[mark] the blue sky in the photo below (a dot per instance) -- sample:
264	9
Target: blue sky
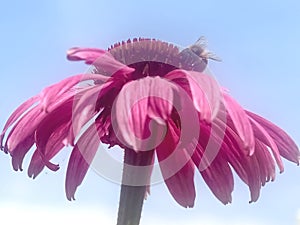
258	42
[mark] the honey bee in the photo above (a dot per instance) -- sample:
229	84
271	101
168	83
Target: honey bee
200	49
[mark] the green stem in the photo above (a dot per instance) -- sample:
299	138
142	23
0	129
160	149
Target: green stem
132	196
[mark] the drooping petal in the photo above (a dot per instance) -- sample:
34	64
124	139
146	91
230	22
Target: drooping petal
51	94
262	135
177	167
137	102
204	89
241	122
100	58
213	166
23	129
38	162
159	107
22	136
84	108
219	178
49	97
20	151
49	137
246	166
27	125
81	157
286	146
265	162
16	115
89	55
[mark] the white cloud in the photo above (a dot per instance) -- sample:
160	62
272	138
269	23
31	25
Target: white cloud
16	214
203	220
298	217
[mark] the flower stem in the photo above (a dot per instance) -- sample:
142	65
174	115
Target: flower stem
135	179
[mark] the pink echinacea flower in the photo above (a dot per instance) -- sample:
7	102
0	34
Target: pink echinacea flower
153	100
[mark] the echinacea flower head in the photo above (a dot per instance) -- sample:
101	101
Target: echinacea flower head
154	100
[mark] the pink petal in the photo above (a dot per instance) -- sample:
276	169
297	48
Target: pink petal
20	151
27	125
137	103
262	135
286	146
219	178
159	106
204	89
180	181
21	136
241	122
214	167
265	161
17	114
246	166
37	164
24	128
65	89
87	54
80	160
50	96
49	137
84	108
100	58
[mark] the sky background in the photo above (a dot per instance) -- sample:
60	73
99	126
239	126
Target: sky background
259	44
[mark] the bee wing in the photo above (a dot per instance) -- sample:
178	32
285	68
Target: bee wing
202	42
213	56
